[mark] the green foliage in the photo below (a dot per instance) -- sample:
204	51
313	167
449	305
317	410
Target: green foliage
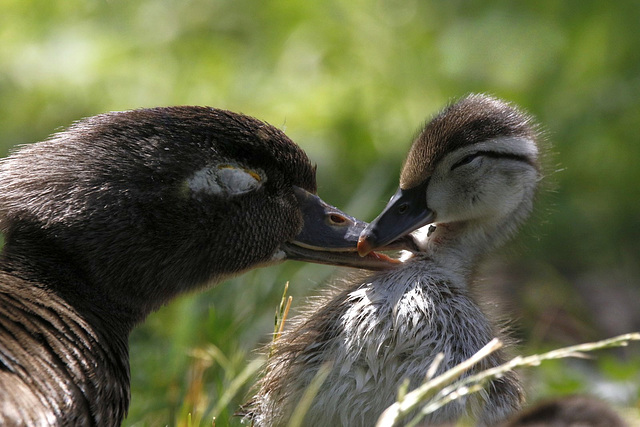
351	82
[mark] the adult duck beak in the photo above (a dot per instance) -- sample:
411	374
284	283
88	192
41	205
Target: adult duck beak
330	236
406	211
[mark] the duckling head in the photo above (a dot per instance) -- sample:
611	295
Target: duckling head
474	164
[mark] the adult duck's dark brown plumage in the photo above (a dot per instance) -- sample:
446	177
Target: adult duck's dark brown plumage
110	219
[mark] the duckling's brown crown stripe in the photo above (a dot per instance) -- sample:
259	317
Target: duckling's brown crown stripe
473	119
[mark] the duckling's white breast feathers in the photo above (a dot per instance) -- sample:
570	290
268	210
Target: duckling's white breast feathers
404	309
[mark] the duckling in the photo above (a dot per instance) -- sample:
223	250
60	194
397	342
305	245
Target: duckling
110	219
471	174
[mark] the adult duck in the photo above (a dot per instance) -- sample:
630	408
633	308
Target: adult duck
110	219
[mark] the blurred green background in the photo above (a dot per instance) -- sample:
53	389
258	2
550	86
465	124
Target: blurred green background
352	82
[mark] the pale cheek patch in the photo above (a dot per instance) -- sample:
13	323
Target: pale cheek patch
226	180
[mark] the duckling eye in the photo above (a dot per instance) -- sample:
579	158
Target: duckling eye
465	160
335	219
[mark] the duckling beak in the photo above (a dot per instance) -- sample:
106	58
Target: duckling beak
330	236
406	211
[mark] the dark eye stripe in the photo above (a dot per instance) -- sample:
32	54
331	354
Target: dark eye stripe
465	160
496	155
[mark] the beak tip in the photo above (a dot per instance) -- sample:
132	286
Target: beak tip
364	246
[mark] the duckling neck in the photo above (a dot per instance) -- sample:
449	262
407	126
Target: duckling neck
450	244
462	245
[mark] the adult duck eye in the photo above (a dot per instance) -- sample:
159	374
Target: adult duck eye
336	219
